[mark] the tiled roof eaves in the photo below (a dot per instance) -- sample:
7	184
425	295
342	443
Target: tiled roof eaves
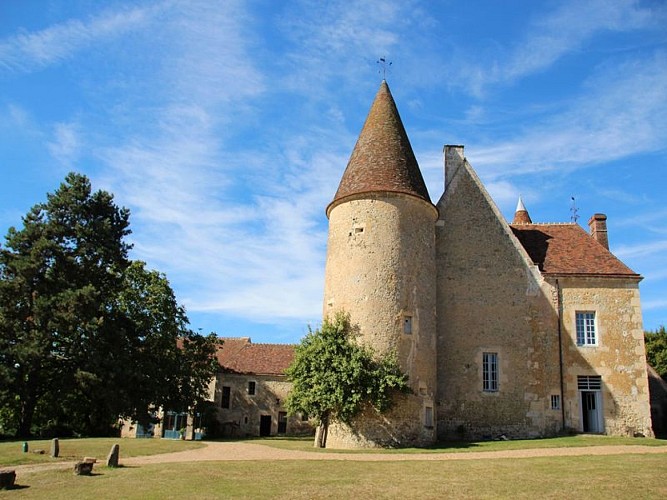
629	276
374	194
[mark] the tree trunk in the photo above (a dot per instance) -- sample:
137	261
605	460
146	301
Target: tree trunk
322	432
26	413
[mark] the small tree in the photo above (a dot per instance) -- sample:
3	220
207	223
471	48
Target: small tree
333	376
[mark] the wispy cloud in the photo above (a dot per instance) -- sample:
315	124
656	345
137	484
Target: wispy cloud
29	51
557	34
65	145
651	305
641	250
620	113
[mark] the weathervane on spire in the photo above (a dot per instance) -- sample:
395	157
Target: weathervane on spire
384	66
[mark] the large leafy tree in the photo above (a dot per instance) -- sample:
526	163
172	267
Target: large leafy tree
334	377
85	334
656	350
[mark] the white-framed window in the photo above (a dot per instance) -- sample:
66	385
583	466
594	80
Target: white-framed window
252	388
585	326
490	372
407	325
555	401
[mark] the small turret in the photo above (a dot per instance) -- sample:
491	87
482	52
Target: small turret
521	214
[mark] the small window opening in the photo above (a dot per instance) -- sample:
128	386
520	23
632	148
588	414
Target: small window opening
555	401
428	416
407	325
251	388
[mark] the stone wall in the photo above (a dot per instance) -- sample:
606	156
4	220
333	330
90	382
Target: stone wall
244	415
490	298
618	356
380	269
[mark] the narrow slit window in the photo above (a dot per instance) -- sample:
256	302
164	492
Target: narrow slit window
407	325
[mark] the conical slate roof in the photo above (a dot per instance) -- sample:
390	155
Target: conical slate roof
382	159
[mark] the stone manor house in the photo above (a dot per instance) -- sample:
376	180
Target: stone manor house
519	328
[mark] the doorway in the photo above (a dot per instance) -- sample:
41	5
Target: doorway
591	414
265	425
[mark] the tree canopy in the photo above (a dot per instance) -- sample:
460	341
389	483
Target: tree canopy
656	350
333	376
87	335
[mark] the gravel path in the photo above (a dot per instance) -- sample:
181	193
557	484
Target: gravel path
225	451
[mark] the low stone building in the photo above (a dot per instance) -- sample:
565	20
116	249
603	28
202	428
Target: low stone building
250	389
248	394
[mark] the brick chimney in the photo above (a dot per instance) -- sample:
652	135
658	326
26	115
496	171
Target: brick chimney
598	227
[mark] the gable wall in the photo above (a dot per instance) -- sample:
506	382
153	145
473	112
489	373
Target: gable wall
490	299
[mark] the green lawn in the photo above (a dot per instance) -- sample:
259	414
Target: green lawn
625	476
306	444
75	449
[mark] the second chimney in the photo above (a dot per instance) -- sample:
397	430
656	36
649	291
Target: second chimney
598	227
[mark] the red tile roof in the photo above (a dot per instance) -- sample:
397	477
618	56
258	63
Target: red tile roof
382	159
566	249
240	355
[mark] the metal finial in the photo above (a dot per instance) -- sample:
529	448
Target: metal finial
384	66
574	211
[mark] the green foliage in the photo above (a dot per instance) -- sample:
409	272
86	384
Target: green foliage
656	350
333	377
86	335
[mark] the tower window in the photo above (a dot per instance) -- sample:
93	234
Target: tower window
252	386
407	325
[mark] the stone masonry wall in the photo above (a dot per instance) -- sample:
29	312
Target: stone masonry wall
380	269
243	417
490	299
618	357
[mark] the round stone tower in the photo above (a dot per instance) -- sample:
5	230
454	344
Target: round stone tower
381	270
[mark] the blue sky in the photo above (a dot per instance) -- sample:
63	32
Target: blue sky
225	126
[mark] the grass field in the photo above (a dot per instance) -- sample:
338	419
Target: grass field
590	477
625	476
75	449
306	444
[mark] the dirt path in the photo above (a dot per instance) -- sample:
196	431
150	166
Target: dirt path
227	451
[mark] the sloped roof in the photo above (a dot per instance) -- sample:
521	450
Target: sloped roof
240	355
566	249
382	159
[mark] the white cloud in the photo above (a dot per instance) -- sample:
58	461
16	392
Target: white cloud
65	145
651	305
619	114
640	250
28	51
557	34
